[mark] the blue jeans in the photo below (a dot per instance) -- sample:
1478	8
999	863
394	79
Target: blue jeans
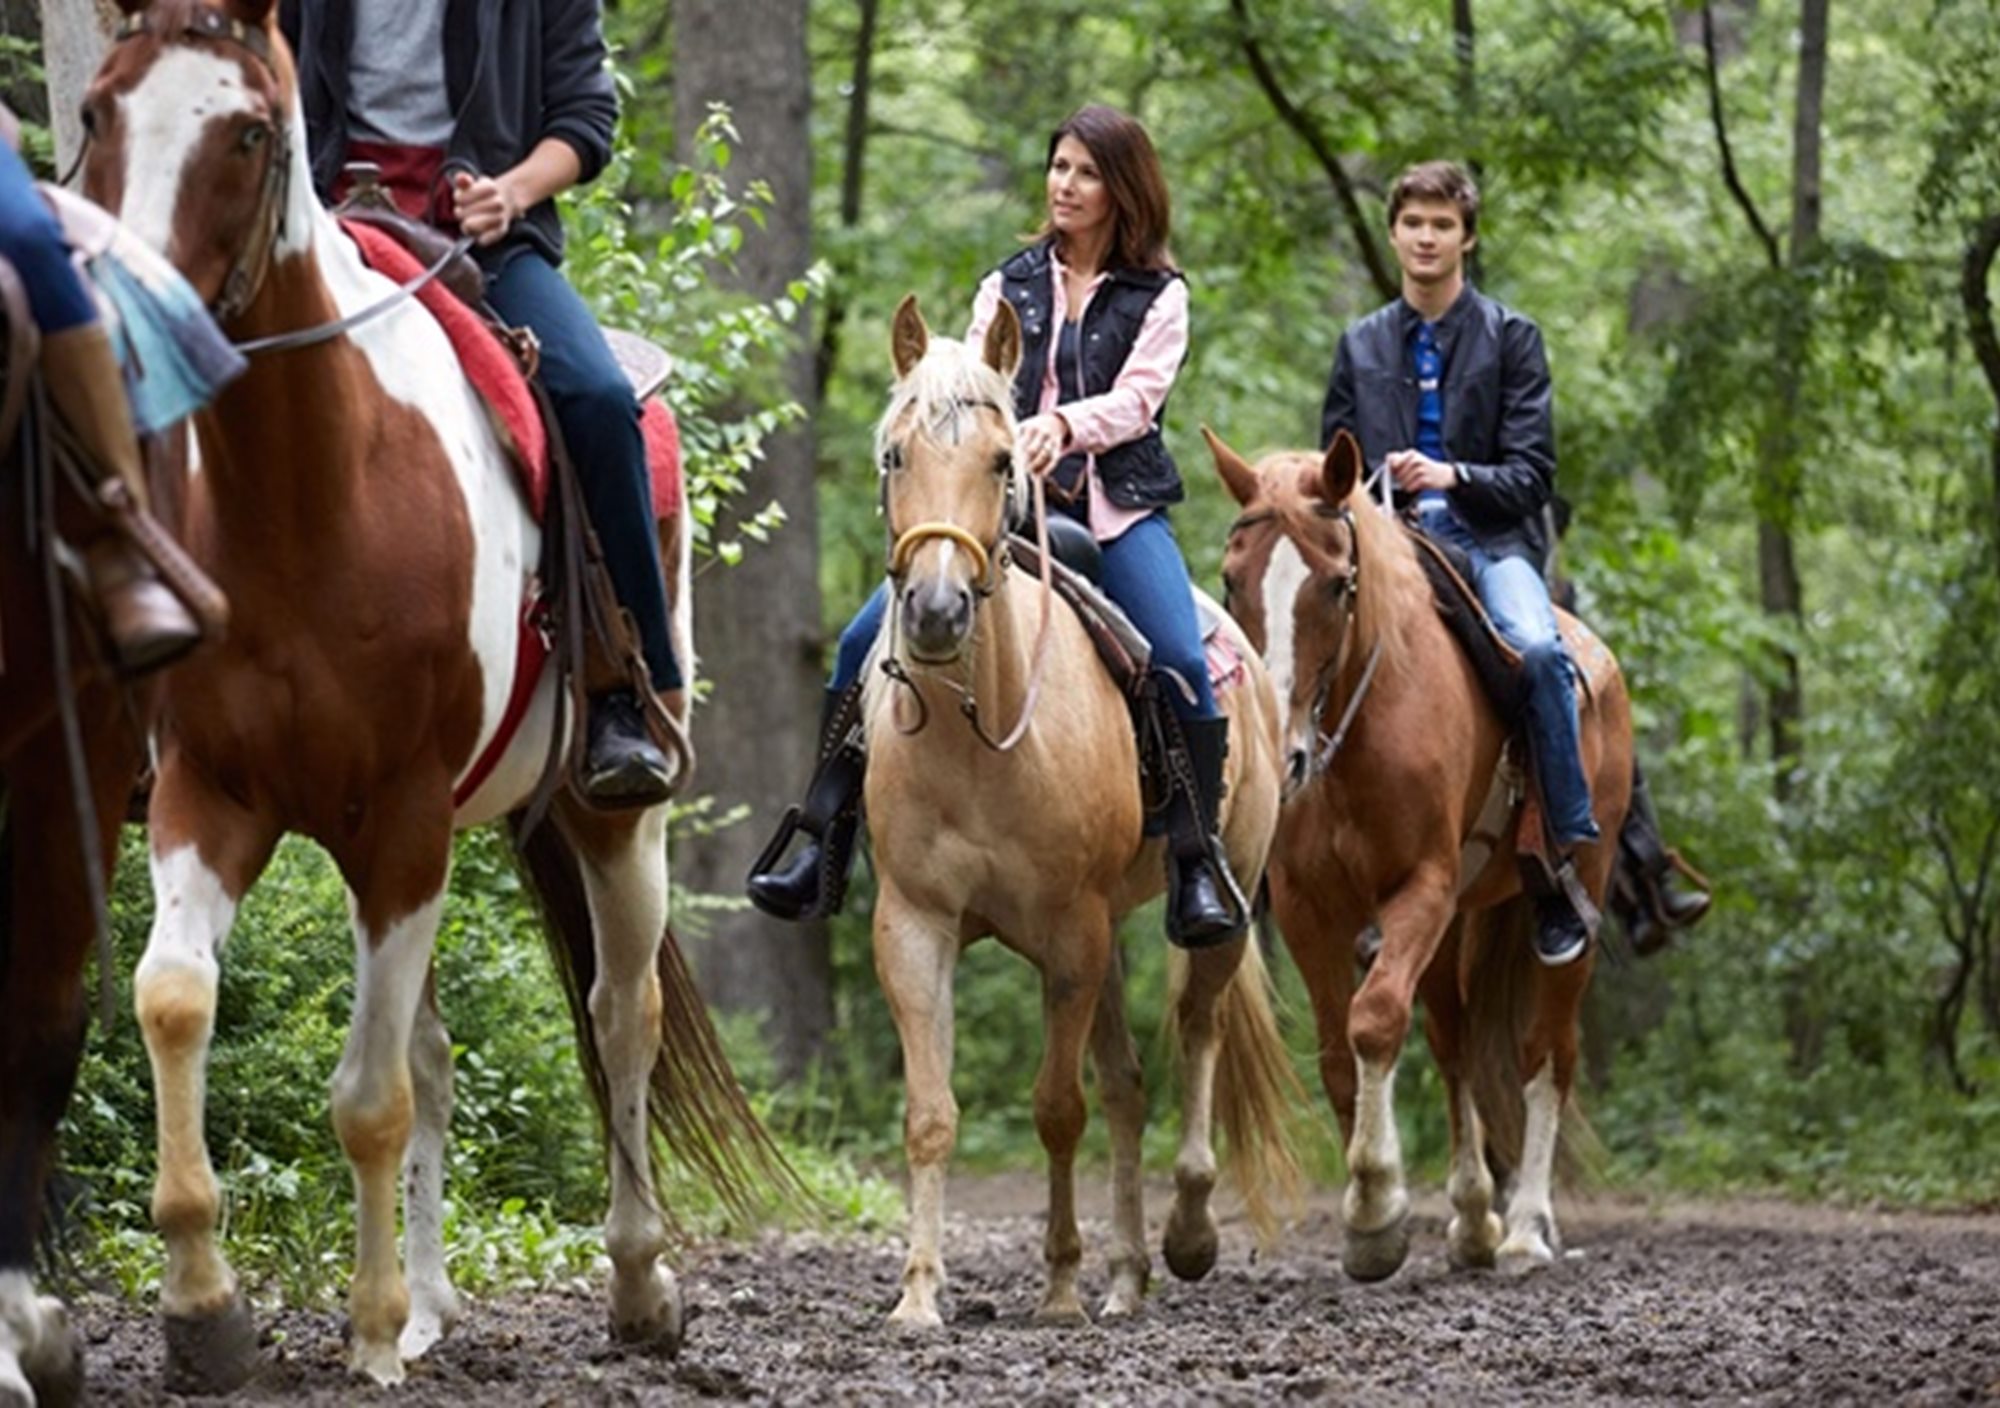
1144	573
33	243
599	420
1517	599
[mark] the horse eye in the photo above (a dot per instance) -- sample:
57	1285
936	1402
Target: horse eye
892	459
1003	463
253	137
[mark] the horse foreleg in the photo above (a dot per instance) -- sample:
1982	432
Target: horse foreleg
396	902
1322	947
1072	976
915	956
1548	1067
1375	1211
211	1341
1475	1229
1192	1240
624	865
434	1305
1121	1090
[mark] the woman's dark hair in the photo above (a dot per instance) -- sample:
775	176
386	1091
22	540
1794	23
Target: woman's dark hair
1441	181
1141	212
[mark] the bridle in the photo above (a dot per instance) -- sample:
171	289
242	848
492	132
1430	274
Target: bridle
1347	594
990	563
253	262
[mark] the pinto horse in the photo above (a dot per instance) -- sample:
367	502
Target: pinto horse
70	752
355	502
1041	845
1399	808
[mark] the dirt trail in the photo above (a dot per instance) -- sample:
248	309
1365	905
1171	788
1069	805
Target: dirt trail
1751	1302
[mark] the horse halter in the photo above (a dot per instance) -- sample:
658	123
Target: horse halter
253	261
1349	591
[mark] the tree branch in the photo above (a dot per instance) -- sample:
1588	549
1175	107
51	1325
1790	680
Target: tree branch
1316	142
1729	176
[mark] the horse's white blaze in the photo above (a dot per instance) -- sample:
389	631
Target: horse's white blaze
165	116
1284	577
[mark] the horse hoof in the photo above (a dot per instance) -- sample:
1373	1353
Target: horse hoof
1378	1254
1532	1247
1470	1253
1062	1315
210	1355
377	1362
432	1317
49	1371
908	1319
1190	1251
657	1323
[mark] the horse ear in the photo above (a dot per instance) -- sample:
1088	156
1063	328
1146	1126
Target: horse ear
1237	475
1341	469
1003	341
908	337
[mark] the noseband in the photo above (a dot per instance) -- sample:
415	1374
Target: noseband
207	23
989	559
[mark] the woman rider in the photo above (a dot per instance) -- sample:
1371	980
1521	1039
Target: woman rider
1104	320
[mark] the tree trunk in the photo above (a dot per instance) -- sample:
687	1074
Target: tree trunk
759	623
853	151
1977	269
1778	574
74	36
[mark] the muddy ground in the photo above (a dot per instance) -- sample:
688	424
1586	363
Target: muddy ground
1736	1302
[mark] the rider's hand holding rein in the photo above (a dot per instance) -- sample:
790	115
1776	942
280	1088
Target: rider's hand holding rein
1039	442
488	206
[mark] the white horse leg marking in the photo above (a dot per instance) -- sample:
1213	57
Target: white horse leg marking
1376	1207
1532	1241
373	1111
1475	1229
37	1345
174	995
434	1306
628	907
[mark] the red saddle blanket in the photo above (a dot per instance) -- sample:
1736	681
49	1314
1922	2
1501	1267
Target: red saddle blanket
493	371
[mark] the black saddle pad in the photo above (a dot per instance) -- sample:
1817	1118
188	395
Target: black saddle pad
1493	660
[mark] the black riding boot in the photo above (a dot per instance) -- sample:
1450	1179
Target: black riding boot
1653	901
815	882
1205	905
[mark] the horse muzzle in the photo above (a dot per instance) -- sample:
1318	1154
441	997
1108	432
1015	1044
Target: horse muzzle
937	620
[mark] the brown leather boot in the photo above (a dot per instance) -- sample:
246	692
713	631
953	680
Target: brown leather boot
150	621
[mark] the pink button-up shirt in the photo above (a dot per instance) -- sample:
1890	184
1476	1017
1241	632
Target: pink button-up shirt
1128	409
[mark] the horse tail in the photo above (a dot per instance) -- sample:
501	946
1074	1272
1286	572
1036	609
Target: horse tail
1256	1088
1498	980
697	1110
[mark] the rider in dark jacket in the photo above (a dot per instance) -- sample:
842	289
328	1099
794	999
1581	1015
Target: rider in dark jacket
481	112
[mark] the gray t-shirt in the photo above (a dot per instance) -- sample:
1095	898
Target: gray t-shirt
397	91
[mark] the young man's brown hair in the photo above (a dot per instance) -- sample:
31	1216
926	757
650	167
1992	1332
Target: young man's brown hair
1437	180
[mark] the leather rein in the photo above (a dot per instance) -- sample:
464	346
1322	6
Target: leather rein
253	262
990	563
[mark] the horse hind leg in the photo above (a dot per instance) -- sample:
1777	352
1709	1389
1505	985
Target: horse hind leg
1533	1239
1192	1241
434	1305
1121	1090
623	864
1475	1231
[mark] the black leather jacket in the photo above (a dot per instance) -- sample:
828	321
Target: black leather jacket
516	71
1497	411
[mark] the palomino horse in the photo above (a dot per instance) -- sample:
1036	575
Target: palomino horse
58	759
356	504
1398	809
1041	846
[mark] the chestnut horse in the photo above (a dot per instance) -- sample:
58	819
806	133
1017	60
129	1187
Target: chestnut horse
1400	809
1041	846
67	768
355	502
